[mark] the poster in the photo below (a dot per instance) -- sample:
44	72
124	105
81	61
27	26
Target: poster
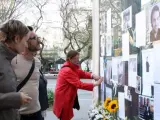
147	63
127	19
102	43
146	107
141	28
109	20
154	23
132	70
125	46
109	44
108	72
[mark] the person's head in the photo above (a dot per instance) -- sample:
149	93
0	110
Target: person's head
155	17
15	35
34	41
73	56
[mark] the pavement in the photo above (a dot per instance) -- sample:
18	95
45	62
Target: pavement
85	100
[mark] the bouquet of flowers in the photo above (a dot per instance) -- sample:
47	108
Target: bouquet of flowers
104	111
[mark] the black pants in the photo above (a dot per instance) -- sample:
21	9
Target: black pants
33	116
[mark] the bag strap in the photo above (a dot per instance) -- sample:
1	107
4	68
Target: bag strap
27	77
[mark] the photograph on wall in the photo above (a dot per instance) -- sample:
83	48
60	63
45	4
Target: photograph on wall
121	71
108	92
109	44
132	70
102	23
154	22
141	28
127	93
115	68
138	84
108	72
127	19
102	43
147	69
146	108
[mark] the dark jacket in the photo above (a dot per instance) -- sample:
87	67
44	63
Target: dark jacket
43	98
9	99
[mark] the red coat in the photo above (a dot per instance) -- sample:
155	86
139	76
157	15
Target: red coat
68	82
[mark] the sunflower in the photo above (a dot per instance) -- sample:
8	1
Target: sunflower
106	103
113	106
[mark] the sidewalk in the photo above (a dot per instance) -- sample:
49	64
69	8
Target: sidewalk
82	114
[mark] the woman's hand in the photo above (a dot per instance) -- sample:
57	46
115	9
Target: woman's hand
98	82
25	98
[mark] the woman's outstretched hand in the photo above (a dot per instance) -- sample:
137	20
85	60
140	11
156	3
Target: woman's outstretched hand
97	83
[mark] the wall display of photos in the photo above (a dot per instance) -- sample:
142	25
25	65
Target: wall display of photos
134	61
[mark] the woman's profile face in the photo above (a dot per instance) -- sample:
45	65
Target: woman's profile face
75	59
21	43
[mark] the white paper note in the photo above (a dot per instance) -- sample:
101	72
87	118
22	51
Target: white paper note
121	103
141	29
125	46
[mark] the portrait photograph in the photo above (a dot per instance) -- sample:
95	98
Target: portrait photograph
154	24
108	72
127	19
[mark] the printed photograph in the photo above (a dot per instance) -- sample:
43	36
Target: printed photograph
146	108
154	18
127	19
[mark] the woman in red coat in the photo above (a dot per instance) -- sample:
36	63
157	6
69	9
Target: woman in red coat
68	82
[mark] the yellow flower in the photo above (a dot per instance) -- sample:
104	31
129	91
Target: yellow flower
113	106
106	103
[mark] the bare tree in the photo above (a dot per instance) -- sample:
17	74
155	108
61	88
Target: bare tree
9	9
77	28
39	6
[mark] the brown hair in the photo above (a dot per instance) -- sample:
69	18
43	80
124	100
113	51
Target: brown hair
9	30
71	54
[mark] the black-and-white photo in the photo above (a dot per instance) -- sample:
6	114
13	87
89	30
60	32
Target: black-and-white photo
133	64
121	72
138	85
127	19
108	71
